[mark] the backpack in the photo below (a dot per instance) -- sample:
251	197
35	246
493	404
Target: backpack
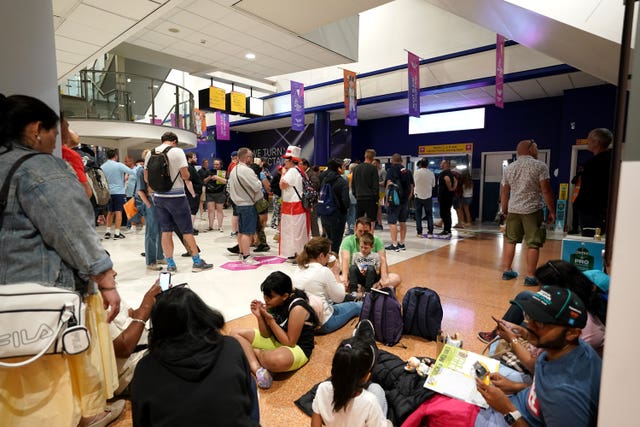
326	201
99	186
158	171
393	195
383	310
422	313
309	197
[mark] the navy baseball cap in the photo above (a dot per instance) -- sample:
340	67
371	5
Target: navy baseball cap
555	305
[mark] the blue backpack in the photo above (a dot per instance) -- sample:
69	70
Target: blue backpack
422	313
393	195
326	201
385	313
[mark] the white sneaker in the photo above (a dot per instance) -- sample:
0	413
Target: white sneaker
250	261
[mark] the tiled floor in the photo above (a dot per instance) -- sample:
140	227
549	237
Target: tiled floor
465	272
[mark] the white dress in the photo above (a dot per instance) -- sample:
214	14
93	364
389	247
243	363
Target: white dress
294	226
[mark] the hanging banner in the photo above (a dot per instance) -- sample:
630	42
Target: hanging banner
350	98
222	126
297	106
201	123
413	93
500	71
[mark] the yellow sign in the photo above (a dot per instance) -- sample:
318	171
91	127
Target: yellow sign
217	99
582	141
238	103
563	194
465	147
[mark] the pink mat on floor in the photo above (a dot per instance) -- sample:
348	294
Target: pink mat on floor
239	266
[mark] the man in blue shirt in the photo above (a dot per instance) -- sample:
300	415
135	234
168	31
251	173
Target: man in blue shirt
115	172
566	382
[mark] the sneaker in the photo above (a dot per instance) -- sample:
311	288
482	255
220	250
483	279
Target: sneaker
220	230
402	246
118	236
196	232
154	267
234	250
201	266
420	235
378	227
263	378
250	261
107	235
365	331
186	255
210	229
487	337
530	281
233	234
161	261
172	268
508	275
392	247
262	247
429	235
143	254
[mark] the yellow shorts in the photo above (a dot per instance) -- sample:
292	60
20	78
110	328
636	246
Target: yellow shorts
299	358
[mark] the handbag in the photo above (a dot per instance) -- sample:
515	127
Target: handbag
130	207
500	349
261	205
36	320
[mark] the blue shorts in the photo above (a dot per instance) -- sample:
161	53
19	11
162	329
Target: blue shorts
173	213
397	214
116	202
247	219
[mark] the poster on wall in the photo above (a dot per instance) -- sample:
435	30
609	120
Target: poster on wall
223	132
297	106
413	93
350	98
500	71
201	123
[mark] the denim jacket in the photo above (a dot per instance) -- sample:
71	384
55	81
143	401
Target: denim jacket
48	226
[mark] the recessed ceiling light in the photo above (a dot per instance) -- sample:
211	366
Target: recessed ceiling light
174	30
250	55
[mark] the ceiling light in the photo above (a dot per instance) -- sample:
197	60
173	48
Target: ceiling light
174	30
250	55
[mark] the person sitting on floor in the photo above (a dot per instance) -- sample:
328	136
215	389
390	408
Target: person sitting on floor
193	375
346	400
365	267
283	341
566	382
315	278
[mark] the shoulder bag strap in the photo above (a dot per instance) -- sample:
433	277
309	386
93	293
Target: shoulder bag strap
4	192
240	182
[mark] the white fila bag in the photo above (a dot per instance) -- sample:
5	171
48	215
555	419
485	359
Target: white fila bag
37	320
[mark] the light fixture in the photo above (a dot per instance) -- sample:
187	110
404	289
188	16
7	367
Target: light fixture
174	30
128	80
250	55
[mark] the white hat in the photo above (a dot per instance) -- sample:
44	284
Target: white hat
293	152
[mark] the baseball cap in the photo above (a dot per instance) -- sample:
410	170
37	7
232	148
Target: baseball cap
555	305
599	278
234	153
293	153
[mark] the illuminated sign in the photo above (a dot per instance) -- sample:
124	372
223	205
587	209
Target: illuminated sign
465	147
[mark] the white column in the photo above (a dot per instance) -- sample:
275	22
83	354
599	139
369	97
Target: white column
28	52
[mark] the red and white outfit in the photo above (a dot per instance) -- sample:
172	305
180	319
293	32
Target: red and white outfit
294	224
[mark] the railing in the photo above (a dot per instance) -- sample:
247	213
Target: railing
111	95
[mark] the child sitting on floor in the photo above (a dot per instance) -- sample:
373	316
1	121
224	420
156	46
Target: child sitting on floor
346	400
365	266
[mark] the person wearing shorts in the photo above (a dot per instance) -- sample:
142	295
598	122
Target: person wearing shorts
401	177
524	185
115	172
215	185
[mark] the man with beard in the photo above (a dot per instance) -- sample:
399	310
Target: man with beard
566	381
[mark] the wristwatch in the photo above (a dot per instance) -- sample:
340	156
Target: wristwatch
512	417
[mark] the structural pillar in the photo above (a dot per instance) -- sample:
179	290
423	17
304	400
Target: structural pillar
28	52
322	142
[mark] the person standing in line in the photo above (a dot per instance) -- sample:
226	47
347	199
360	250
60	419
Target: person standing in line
525	184
196	181
245	189
315	180
260	236
382	180
424	181
277	196
154	256
334	224
351	215
215	185
365	186
71	156
172	206
446	187
401	177
234	217
203	172
294	221
115	173
593	199
467	197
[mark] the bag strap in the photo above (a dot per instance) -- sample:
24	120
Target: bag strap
165	151
240	182
66	315
4	192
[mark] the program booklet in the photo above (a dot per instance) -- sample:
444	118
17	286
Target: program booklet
453	374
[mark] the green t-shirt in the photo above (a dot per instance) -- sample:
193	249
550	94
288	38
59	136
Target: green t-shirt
351	244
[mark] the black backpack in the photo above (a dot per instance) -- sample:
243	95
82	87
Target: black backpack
383	310
99	186
422	313
158	171
326	201
309	196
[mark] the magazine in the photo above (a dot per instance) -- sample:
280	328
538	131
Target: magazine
453	374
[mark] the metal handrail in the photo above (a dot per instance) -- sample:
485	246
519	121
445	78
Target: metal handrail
135	97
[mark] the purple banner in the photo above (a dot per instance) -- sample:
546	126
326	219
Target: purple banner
222	126
350	98
500	71
413	93
297	106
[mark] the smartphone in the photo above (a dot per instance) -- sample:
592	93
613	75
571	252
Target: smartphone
165	280
481	372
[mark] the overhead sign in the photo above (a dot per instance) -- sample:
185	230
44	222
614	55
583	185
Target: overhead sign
217	99
237	102
465	147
